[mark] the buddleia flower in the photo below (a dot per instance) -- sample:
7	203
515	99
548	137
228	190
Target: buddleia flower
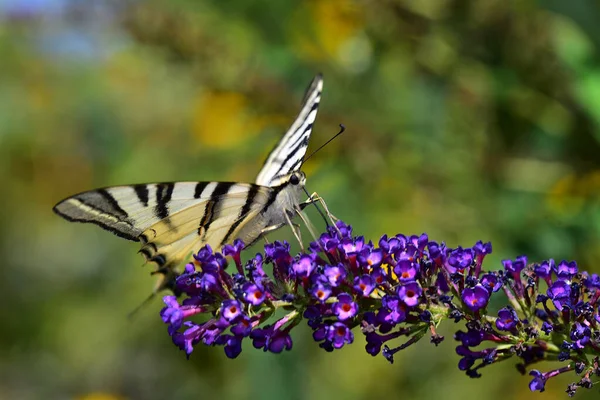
394	293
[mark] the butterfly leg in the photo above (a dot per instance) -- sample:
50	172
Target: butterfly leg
313	199
295	229
269	229
306	222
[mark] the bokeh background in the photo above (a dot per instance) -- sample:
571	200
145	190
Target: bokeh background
467	120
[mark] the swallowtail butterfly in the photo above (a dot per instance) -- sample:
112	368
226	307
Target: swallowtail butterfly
172	220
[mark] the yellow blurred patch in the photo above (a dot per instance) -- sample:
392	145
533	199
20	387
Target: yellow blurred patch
220	119
335	23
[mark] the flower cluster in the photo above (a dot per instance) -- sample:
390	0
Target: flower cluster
397	290
559	323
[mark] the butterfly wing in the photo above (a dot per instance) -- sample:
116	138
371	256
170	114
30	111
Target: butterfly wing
172	220
288	154
127	211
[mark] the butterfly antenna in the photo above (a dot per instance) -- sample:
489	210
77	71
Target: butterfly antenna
342	129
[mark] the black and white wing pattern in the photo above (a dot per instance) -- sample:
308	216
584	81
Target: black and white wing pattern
173	220
288	154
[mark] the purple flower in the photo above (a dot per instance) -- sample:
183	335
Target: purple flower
204	255
566	270
393	310
172	313
186	340
393	244
279	253
234	251
420	241
243	327
482	249
195	282
345	308
270	339
372	259
335	274
409	293
378	275
328	241
207	281
231	310
406	270
559	293
364	285
437	252
507	319
320	291
547	327
459	259
515	267
592	282
475	298
351	247
471	338
303	267
339	334
209	261
345	230
491	282
538	382
255	268
232	345
581	334
544	269
253	294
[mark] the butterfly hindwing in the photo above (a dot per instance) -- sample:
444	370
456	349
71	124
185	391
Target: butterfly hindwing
216	220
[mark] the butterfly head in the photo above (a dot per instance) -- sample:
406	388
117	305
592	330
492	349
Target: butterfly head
297	178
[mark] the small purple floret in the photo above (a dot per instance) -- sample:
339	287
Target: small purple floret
507	319
475	298
345	308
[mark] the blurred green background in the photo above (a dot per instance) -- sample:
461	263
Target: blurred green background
467	120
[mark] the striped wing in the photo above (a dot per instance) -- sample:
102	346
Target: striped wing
288	154
172	220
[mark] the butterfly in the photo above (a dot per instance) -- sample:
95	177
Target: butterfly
175	219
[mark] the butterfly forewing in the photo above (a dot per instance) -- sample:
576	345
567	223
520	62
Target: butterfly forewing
288	154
